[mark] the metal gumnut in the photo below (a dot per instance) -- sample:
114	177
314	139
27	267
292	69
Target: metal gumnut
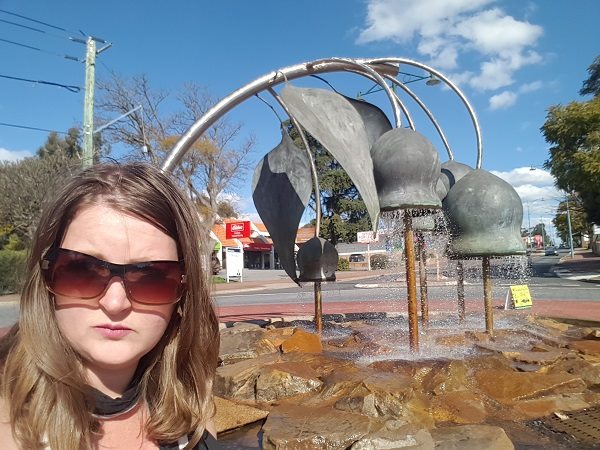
317	260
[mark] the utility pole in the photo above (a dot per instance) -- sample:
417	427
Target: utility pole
88	102
570	229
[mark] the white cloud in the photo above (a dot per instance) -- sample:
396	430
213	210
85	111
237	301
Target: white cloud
13	155
523	176
443	30
537	191
530	87
503	100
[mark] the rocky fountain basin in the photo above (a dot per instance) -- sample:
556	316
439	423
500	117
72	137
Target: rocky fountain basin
359	387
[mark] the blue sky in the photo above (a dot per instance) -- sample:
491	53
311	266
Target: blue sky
513	59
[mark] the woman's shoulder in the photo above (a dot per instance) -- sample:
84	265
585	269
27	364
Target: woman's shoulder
7	441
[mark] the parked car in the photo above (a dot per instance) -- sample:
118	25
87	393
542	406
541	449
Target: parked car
357	257
551	251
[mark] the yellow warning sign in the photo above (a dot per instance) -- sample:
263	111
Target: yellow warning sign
518	297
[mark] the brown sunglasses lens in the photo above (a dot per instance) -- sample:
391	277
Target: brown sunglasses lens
80	276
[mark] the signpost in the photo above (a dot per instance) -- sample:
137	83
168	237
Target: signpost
235	263
236	230
366	237
518	297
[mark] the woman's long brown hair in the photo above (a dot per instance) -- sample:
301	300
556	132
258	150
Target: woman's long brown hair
43	380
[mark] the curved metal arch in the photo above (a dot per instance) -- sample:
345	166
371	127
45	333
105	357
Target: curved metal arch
271	79
452	86
426	110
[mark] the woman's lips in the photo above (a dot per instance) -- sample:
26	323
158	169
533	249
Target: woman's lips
113	331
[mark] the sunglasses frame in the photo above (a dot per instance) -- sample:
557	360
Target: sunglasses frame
116	270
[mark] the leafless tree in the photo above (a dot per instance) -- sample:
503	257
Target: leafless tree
214	164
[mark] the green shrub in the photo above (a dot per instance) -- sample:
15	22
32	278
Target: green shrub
12	270
343	264
380	261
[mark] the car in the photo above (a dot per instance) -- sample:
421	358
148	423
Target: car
357	257
551	251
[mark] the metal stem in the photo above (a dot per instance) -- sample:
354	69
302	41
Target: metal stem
423	279
318	308
411	283
487	295
313	167
460	287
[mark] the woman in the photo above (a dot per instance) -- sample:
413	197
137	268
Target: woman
117	340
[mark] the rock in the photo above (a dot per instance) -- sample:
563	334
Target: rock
396	434
286	379
379	395
533	409
471	437
446	377
238	381
587	347
302	341
593	334
461	407
291	427
232	415
239	343
588	372
507	386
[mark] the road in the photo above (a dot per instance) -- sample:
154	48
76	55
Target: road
543	285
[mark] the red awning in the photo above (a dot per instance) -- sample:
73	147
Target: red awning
255	246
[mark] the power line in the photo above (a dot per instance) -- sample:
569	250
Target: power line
70	88
72	58
37	30
4	124
34	20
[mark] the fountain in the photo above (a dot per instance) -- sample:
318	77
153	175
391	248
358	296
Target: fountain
339	381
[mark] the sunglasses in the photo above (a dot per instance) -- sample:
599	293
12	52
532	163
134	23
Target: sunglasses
72	274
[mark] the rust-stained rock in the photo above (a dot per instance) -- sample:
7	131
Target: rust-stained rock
239	343
593	334
379	395
506	386
322	364
396	434
587	371
230	415
302	341
461	407
541	358
587	347
277	381
291	427
540	407
238	381
446	377
471	437
278	335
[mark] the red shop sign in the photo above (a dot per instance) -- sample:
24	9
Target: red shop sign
258	247
235	230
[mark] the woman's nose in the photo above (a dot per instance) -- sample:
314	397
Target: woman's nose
115	298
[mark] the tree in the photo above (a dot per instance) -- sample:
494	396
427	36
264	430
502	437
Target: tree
540	230
592	84
574	134
26	185
70	145
214	164
343	211
579	221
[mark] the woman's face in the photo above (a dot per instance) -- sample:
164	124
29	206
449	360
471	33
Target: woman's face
111	333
